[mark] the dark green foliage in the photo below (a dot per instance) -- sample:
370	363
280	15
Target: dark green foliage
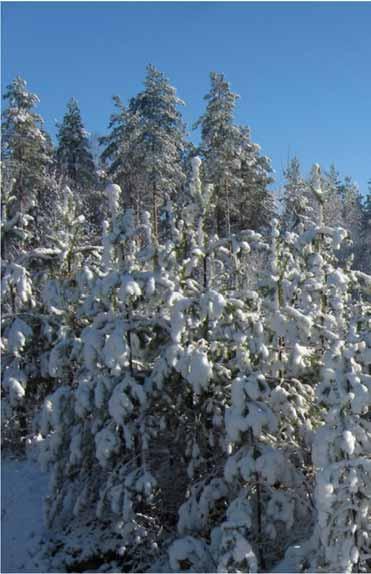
75	165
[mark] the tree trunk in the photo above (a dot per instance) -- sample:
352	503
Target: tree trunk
228	211
154	211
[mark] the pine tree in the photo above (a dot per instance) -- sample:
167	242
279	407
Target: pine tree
113	152
26	149
160	141
232	163
112	314
341	449
367	202
333	208
353	217
17	300
254	203
365	261
295	196
122	165
220	149
75	165
146	147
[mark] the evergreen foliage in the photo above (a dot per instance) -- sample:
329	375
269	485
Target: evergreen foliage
26	152
75	165
146	146
232	164
196	378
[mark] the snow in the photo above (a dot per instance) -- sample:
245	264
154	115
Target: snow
17	336
106	442
121	406
178	321
23	488
187	549
316	184
115	351
16	391
349	441
20	279
199	371
129	289
212	304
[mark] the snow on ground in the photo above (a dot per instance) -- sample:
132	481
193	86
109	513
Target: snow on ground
23	487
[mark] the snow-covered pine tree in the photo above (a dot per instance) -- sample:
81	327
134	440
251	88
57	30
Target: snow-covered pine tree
160	142
75	165
330	204
206	356
23	385
113	143
38	290
17	300
330	293
342	206
255	201
218	521
342	446
353	217
123	164
242	520
333	209
365	260
147	146
220	150
295	196
26	152
231	163
98	424
269	418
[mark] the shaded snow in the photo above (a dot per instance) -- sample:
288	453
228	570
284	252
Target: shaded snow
23	487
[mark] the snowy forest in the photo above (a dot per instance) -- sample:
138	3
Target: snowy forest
186	349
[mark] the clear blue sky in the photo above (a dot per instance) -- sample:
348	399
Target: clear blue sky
303	70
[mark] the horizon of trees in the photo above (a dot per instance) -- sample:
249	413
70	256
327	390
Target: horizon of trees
146	152
94	138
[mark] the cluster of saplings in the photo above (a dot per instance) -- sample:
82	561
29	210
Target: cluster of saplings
192	369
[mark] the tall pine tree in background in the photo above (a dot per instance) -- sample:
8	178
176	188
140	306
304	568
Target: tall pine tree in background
366	231
333	205
352	207
26	149
160	140
231	162
146	146
366	207
220	149
112	154
75	165
119	158
342	205
254	204
296	199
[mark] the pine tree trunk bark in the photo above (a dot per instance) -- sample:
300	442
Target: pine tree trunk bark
228	204
154	211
